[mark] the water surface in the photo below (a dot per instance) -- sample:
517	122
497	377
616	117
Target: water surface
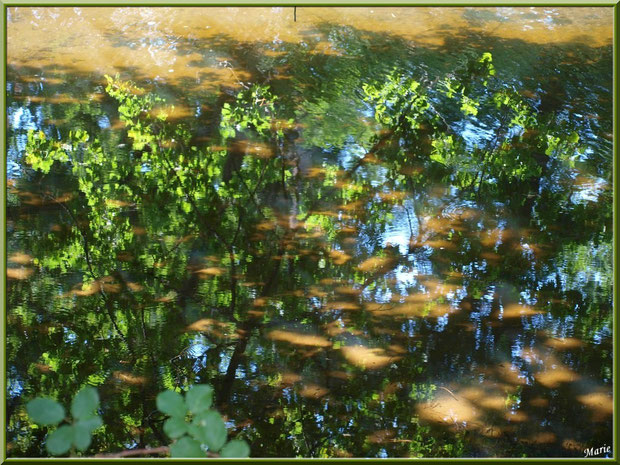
343	302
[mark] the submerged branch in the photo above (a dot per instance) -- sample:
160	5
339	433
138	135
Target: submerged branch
109	310
163	450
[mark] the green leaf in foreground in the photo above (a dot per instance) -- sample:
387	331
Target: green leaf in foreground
171	403
82	431
85	403
45	411
59	442
213	430
175	427
81	437
236	448
90	424
199	398
186	448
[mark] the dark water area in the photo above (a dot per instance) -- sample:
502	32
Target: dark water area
351	284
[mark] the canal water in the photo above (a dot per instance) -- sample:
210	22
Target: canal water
346	290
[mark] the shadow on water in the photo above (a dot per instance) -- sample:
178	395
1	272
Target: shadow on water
335	60
339	313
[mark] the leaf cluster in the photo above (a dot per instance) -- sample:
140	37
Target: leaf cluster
254	108
195	427
75	433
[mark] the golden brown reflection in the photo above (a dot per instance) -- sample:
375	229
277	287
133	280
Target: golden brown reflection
19	273
298	338
518	311
339	257
20	258
599	403
209	272
449	410
129	378
376	264
313	391
367	358
106	284
180	45
219	329
90	37
564	343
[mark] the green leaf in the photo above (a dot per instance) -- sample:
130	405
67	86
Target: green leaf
81	436
186	448
59	442
175	427
45	411
214	430
199	398
85	403
171	403
90	424
196	431
235	448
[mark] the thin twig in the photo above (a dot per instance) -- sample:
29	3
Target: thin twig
229	66
163	450
449	392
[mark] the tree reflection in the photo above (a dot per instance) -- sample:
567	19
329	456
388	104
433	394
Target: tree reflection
396	286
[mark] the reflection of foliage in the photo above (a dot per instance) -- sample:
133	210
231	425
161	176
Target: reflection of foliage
253	109
463	81
396	100
195	249
523	138
422	392
587	271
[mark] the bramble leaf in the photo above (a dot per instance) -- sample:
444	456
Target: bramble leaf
214	430
175	427
171	403
85	403
199	398
236	448
186	448
45	411
59	442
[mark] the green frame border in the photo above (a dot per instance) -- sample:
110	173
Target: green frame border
4	4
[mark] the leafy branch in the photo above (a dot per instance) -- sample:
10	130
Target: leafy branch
72	434
195	428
